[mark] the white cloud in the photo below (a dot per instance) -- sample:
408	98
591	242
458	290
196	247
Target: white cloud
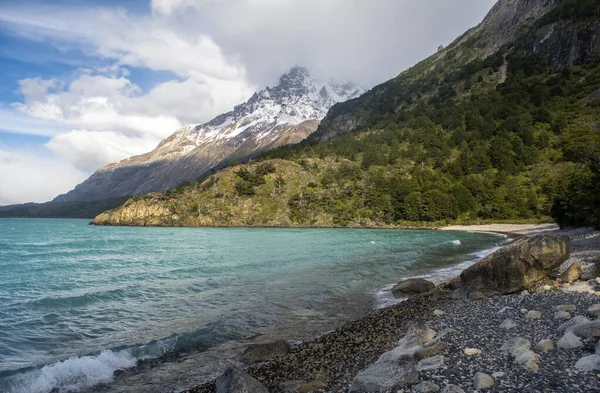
28	178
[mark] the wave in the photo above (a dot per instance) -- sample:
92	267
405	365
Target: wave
73	374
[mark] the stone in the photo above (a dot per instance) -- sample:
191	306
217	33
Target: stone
572	274
586	330
598	348
580	287
412	286
528	360
562	316
472	351
452	389
432	363
544	346
438	313
594	310
417	335
235	380
508	324
569	341
505	309
565	307
384	376
525	292
576	320
498	374
533	315
431	350
516	267
524	311
261	352
515	346
482	381
588	363
426	387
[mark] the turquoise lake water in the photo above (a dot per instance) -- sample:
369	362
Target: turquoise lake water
173	306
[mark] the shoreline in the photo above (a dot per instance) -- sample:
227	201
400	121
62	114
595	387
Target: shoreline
332	360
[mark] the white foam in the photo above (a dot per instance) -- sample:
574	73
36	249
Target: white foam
75	373
456	242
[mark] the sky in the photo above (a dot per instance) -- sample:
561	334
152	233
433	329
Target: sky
84	83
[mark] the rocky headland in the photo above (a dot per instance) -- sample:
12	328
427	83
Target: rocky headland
523	319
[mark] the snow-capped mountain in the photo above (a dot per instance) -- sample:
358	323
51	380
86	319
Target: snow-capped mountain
284	114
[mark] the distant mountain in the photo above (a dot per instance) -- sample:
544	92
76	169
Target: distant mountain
284	114
503	124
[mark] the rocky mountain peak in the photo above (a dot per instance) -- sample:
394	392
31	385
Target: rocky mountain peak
296	78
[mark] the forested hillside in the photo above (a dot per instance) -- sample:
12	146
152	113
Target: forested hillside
457	138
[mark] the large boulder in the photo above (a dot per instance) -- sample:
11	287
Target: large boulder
514	268
411	287
261	352
385	376
236	380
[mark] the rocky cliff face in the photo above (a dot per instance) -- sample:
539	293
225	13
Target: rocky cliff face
548	29
273	117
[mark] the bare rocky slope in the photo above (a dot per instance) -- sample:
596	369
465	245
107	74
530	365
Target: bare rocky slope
284	114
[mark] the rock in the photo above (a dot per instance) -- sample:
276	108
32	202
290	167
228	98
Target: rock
544	346
569	341
452	389
594	310
482	381
562	316
588	363
572	274
384	376
432	363
524	311
586	330
515	346
565	307
438	313
426	387
508	324
498	374
235	380
516	267
525	292
533	315
418	334
261	352
576	320
505	309
472	351
528	360
598	348
412	286
431	350
581	287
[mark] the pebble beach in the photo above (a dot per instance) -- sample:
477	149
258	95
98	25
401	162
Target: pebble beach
471	342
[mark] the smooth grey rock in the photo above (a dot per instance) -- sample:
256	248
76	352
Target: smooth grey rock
569	341
418	334
261	352
565	307
498	374
426	387
528	360
576	320
594	310
438	313
544	346
432	363
533	315
412	286
384	376
452	389
580	287
515	346
562	315
587	330
508	324
235	380
482	381
588	363
516	267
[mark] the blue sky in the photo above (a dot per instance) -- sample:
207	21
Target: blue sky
84	83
